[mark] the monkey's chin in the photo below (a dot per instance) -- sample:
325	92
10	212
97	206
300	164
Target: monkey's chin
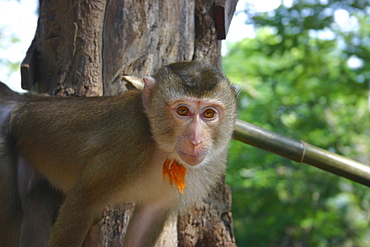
192	160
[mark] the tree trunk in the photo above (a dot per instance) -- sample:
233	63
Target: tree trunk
84	48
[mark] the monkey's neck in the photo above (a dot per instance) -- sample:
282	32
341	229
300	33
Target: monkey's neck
175	172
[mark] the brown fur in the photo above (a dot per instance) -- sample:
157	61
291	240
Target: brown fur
108	150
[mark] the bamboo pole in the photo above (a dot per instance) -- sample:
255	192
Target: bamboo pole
302	152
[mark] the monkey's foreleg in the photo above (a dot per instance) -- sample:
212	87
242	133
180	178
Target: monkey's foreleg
145	225
75	218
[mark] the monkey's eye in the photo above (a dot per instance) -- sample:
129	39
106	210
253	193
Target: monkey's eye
182	110
209	113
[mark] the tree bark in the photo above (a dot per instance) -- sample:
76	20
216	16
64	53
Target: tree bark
84	48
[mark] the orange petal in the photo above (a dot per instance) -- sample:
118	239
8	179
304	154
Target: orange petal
175	172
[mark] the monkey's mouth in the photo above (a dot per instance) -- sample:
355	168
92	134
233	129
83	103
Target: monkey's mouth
192	159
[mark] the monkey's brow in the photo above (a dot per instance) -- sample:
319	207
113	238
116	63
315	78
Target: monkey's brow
197	100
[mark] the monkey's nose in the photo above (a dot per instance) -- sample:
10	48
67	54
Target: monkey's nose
196	142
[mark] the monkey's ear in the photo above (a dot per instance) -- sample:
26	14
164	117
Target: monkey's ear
149	83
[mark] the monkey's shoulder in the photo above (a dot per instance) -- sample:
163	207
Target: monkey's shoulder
36	104
31	98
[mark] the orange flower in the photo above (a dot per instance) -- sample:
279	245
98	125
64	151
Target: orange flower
175	172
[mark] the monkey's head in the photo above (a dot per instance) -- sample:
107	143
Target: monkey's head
191	107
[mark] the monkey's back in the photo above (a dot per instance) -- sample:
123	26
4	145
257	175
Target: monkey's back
63	136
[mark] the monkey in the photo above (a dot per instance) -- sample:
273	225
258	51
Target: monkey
162	148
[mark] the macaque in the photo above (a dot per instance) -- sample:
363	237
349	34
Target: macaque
163	148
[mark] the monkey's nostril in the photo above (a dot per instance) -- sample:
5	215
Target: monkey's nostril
196	142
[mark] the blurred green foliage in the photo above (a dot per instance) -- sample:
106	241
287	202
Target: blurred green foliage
298	78
10	66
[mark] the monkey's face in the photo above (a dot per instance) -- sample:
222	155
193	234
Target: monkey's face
194	122
191	108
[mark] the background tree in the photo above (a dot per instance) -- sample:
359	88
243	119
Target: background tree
84	48
306	76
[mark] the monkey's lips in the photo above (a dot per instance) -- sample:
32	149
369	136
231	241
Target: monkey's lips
192	159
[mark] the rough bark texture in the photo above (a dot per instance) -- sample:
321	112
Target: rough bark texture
210	222
85	47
